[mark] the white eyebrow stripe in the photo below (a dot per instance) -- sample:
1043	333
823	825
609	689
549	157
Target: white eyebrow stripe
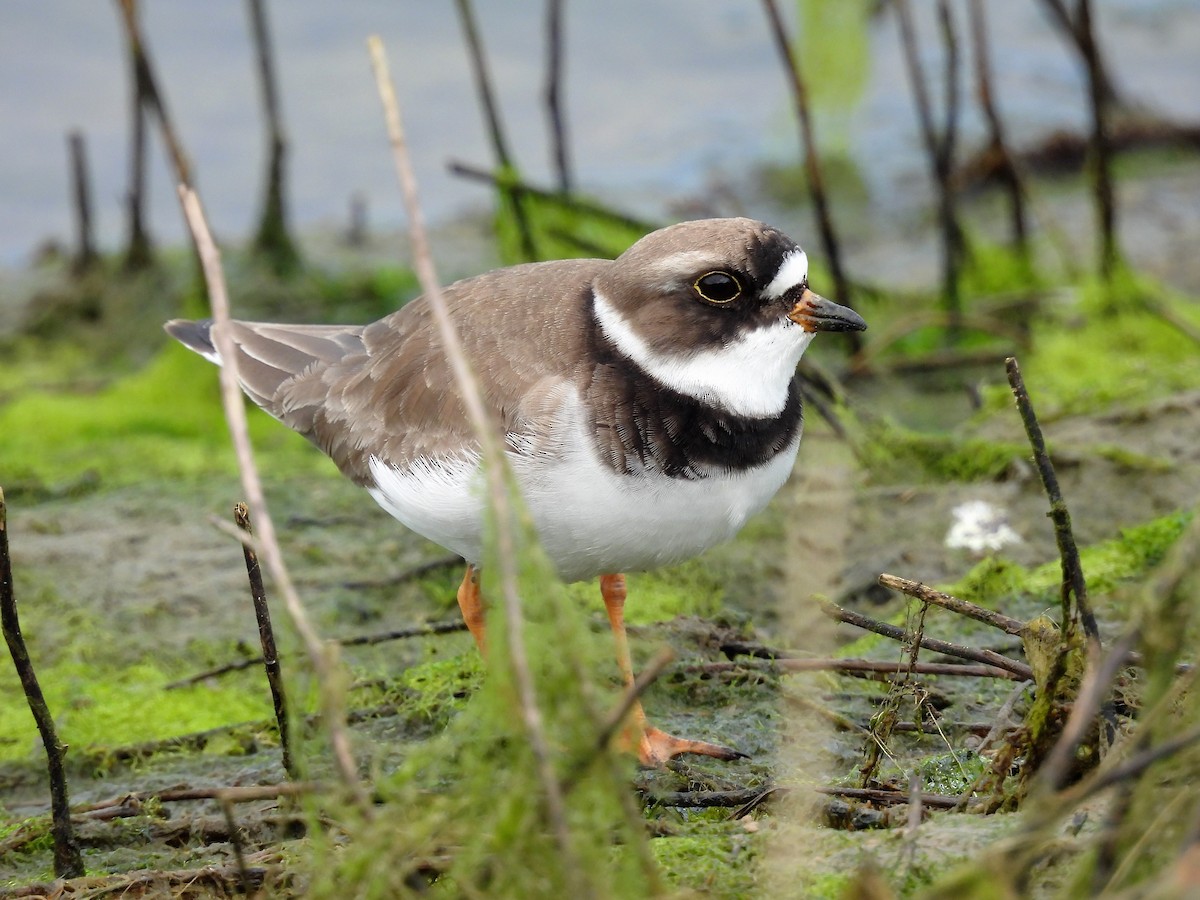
668	272
792	271
685	261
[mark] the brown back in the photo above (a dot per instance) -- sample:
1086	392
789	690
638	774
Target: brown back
386	389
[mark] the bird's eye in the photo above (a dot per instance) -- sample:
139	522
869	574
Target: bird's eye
718	287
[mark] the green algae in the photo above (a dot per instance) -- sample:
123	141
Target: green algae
992	581
995	270
894	454
805	860
431	693
714	858
94	389
996	581
442	691
1000	583
534	225
487	817
96	708
1109	346
692	588
164	421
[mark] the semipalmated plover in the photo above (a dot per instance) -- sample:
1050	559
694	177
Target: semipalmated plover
649	404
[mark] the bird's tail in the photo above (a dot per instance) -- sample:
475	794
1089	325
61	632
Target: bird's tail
269	355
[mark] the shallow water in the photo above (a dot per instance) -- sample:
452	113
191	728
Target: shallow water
663	100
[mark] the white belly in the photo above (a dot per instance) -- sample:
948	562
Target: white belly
590	519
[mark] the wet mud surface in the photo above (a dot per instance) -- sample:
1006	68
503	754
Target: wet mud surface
149	578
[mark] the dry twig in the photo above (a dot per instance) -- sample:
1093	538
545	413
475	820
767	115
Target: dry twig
926	594
426	630
863	667
553	95
418	571
580	204
491	112
987	657
1073	583
138	253
1131	768
266	637
235	839
1001	723
68	863
747	808
842	291
1101	97
242	793
1006	165
1169	315
707	799
235	415
272	237
897	798
85	257
916	812
494	464
149	93
939	147
740	796
221	881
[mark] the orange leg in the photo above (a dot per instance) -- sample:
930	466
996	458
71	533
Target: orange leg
655	747
471	603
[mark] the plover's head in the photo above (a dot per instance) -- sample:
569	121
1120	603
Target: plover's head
716	309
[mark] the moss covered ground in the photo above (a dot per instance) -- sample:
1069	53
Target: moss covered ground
113	460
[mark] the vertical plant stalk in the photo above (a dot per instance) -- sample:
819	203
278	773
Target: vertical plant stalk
1102	97
356	229
842	290
999	145
322	657
139	252
81	189
152	97
273	238
939	148
235	416
1102	181
559	148
1061	18
483	82
1074	586
494	463
266	638
68	863
491	113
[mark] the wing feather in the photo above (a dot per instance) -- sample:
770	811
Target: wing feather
386	390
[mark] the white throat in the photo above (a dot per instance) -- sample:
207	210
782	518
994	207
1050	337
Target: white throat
748	376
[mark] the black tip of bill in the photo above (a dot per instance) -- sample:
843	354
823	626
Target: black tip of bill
814	313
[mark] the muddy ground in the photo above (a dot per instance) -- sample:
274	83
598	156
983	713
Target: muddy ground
145	569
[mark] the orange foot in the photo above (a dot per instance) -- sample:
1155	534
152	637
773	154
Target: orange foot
656	747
